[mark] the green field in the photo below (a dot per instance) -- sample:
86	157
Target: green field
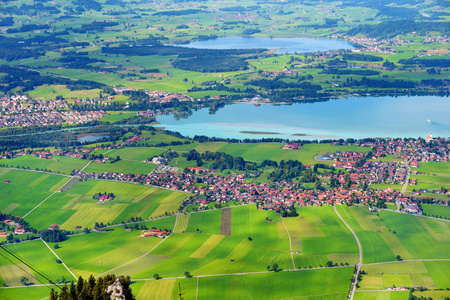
441	211
57	164
319	236
36	254
429	274
121	166
75	206
26	189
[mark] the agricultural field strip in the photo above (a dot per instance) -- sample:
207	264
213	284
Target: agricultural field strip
196	289
145	254
290	242
62	262
53	192
176	214
36	171
407	260
358	268
402	212
238	274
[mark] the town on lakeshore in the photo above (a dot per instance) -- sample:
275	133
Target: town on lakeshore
197	150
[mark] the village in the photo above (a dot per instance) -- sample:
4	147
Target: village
351	185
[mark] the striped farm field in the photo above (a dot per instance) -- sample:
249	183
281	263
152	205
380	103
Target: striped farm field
56	164
157	290
212	242
121	166
87	214
225	221
11	274
182	224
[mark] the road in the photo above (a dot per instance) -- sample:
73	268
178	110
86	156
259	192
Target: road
408	171
358	266
60	260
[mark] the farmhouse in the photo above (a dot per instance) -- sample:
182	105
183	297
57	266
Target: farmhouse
154	232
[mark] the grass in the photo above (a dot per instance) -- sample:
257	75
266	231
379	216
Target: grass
420	240
212	242
272	151
121	166
394	295
76	206
272	285
436	210
36	254
114	116
378	242
105	251
26	189
428	274
136	153
57	164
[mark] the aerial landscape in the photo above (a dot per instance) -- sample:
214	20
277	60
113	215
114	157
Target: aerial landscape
198	149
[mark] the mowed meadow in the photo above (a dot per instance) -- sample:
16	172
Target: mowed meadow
227	251
74	205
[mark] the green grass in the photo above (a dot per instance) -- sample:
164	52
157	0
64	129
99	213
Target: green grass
436	210
76	207
26	189
136	153
105	251
36	254
378	242
272	151
272	285
57	164
421	237
394	295
121	166
114	116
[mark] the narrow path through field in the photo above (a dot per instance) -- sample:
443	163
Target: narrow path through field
54	192
196	291
59	259
407	260
290	242
358	267
145	254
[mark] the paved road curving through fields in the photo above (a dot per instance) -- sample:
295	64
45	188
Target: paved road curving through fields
358	266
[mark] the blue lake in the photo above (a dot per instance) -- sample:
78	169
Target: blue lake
285	45
353	117
91	138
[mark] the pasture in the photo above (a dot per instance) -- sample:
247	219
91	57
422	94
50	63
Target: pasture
272	151
319	236
121	166
26	189
440	211
56	164
429	274
36	254
76	206
105	251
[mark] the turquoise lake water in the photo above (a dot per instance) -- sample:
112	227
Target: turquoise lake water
285	45
355	117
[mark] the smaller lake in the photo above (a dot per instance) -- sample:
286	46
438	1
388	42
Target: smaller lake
91	138
285	45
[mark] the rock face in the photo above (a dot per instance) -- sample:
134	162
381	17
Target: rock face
115	290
